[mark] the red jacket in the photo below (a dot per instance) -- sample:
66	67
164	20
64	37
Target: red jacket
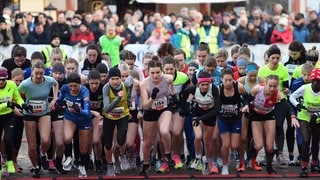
77	36
285	37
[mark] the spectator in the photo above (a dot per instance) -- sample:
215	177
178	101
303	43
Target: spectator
159	35
282	32
76	22
151	24
253	36
88	19
47	50
106	12
62	28
141	35
267	25
315	33
5	33
313	21
38	36
111	43
100	31
15	29
300	30
278	9
228	36
82	36
241	31
21	36
181	40
209	34
226	17
30	22
42	19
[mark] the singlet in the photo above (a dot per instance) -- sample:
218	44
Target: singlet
37	95
9	93
96	98
161	101
88	66
281	71
135	99
205	102
312	104
263	105
180	80
79	99
246	84
230	106
121	110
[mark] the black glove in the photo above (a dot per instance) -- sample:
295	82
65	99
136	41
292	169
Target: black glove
154	93
196	122
185	109
10	105
76	107
60	105
174	101
313	118
27	107
299	107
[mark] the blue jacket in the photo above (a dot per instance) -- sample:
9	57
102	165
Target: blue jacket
301	33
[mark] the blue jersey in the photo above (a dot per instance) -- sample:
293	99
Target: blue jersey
83	118
37	95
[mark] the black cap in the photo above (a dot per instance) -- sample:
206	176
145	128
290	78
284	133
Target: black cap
207	18
114	71
273	50
54	35
2	19
19	16
102	68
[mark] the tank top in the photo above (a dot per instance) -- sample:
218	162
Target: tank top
161	101
246	84
263	105
230	106
206	101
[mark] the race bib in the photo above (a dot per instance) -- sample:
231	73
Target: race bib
231	110
38	106
311	110
117	112
69	105
159	104
262	110
132	105
205	105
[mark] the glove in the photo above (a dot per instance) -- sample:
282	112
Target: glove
299	107
60	105
174	101
196	122
185	109
313	118
76	107
10	105
154	93
27	107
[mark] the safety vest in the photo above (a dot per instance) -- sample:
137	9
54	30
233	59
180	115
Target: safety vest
47	54
311	103
185	45
211	39
112	47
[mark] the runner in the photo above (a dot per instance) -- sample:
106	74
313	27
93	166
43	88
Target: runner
308	115
37	113
262	115
157	117
77	117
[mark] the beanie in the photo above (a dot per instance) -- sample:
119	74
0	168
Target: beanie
242	62
3	73
315	74
114	71
273	50
102	68
54	35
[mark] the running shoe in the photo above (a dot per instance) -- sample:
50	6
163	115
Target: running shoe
241	167
255	165
44	162
225	170
52	167
177	162
82	171
10	167
124	164
164	168
111	170
67	164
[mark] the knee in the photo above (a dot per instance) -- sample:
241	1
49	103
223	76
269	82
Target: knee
198	137
269	148
164	132
225	145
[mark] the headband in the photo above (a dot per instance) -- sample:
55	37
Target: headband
4	73
251	68
204	79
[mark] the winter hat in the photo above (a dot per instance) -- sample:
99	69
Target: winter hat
315	74
242	62
178	23
274	50
114	71
54	35
102	68
58	67
283	21
3	72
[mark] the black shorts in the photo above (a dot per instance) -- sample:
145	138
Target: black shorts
210	122
261	117
57	116
153	115
134	117
34	118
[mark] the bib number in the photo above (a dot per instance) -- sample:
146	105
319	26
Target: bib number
38	106
159	104
117	112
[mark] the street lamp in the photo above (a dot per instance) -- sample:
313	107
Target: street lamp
51	11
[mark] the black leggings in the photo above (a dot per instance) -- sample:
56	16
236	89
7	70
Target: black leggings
307	132
7	125
280	115
108	129
18	132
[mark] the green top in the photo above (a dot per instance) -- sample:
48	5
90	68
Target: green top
9	93
112	47
281	71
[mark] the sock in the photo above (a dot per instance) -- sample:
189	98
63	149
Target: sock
269	158
168	157
304	164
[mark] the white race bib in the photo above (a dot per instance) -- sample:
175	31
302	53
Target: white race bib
38	106
117	112
159	104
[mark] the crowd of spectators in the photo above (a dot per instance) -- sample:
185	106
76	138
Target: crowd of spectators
255	27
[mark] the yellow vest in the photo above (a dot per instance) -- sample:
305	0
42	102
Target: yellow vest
47	54
121	110
312	104
211	39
